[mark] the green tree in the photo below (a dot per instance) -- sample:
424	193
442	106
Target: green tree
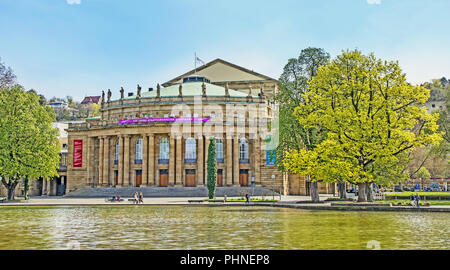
293	83
29	147
372	117
211	168
7	76
423	174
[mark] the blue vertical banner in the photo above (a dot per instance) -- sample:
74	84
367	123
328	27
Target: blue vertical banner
271	157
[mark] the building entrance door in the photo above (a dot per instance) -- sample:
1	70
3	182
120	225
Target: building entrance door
40	185
163	178
219	177
116	177
138	178
243	177
60	187
308	188
190	178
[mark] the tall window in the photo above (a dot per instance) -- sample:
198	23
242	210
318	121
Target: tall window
116	153
164	149
139	150
219	150
243	150
191	148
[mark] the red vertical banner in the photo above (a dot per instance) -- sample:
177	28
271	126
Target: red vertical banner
77	153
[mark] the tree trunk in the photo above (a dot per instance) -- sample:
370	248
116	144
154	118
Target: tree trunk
369	188
10	187
314	192
341	190
362	192
26	187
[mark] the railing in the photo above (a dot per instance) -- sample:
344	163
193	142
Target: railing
163	161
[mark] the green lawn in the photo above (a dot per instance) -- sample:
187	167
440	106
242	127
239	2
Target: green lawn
241	200
408	202
408	193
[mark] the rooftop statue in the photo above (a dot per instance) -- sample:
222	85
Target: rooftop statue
121	92
158	91
138	92
227	93
204	89
109	95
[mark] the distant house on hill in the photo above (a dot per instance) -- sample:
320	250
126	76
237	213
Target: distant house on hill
91	99
58	105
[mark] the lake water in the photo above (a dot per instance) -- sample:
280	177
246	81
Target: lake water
218	227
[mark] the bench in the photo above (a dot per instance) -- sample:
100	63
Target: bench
115	200
195	201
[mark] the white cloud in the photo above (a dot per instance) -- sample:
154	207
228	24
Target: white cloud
373	2
72	2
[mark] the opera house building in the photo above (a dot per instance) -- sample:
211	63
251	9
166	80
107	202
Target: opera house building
159	136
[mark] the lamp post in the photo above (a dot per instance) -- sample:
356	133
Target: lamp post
273	188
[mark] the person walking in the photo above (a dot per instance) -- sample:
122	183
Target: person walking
417	200
141	197
136	201
413	199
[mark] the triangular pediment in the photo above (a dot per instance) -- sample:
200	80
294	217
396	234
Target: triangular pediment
222	71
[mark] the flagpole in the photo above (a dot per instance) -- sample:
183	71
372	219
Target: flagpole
195	63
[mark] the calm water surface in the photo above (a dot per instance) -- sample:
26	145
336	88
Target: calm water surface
196	227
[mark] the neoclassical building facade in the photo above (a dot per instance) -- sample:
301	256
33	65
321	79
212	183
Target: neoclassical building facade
160	137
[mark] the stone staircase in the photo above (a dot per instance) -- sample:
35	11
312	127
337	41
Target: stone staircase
168	192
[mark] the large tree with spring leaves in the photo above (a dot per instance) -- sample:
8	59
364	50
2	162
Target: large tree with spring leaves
29	147
372	115
293	83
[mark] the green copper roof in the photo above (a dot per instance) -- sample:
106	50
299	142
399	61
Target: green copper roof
192	89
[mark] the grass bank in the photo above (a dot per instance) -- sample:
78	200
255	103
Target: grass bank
408	202
240	200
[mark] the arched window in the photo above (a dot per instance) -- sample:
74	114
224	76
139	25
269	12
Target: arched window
138	151
116	153
219	150
243	150
164	150
191	149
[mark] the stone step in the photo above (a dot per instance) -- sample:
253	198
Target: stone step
168	192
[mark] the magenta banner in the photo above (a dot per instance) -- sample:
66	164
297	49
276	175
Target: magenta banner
164	119
77	153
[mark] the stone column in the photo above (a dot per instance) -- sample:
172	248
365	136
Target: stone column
100	162
105	161
229	156
126	162
236	160
120	165
179	160
171	160
144	160
206	158
151	160
200	161
257	160
91	161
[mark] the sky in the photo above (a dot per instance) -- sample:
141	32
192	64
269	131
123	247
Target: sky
81	47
